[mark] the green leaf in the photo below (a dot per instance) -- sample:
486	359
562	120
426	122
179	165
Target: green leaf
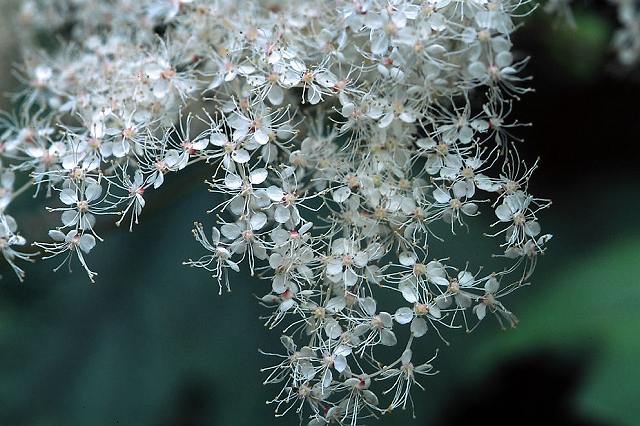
592	301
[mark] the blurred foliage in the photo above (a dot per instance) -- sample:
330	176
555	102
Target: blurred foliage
589	304
7	51
577	52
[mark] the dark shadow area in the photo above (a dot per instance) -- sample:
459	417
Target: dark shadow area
194	404
535	388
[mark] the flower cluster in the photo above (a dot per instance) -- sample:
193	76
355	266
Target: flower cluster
349	139
626	40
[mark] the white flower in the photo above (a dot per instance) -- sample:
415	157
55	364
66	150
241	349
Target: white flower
81	205
346	260
336	136
515	210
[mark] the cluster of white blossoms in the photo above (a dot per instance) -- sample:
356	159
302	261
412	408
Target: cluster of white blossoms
351	140
626	40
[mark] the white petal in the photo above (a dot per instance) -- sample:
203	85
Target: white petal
387	337
230	230
348	109
282	214
326	79
327	378
435	269
87	221
240	156
56	235
463	300
441	196
306	227
199	145
87	242
279	284
460	189
138	178
404	315
361	259
387	319
70	217
334	266
532	228
336	304
434	311
92	191
279	235
407	258
68	196
342	350
276	95
275	193
406	356
503	212
275	260
215	236
350	278
258	176
386	120
258	221
340	363
368	305
341	194
478	70
465	278
286	305
480	310
333	329
469	209
483	182
269	153
465	135
492	285
232	181
361	329
504	59
313	95
234	266
369	396
418	327
218	139
480	125
261	137
307	370
409	291
379	42
71	235
407	116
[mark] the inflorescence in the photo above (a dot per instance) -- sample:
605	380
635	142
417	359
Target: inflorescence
346	138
